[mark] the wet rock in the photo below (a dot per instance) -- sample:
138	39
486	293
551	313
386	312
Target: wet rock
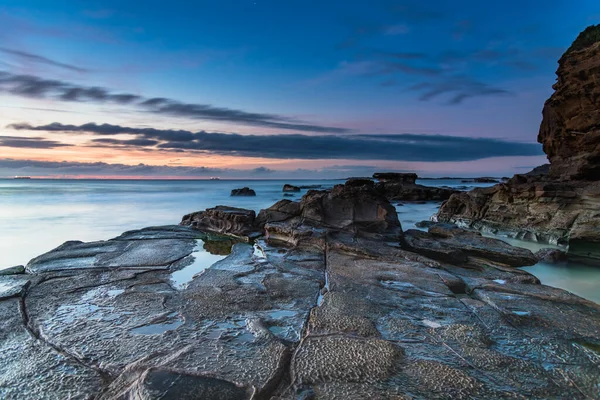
231	221
350	207
398	186
310	186
331	359
157	384
450	243
397	177
359	182
144	254
19	269
31	368
290	188
426	244
280	211
13	285
485	180
245	191
551	256
424	224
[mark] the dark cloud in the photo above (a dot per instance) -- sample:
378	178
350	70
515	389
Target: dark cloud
458	89
30	142
41	59
400	147
36	87
131	142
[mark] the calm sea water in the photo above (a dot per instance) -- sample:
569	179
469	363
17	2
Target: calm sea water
38	215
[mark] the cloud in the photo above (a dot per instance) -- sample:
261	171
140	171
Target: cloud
458	88
41	59
398	147
30	142
36	87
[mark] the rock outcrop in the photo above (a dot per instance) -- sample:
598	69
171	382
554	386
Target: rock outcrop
570	130
455	245
290	188
231	221
245	191
355	316
403	187
559	204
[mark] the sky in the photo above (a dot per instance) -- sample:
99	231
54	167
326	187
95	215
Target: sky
278	89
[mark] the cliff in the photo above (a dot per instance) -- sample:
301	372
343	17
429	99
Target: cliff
562	205
570	129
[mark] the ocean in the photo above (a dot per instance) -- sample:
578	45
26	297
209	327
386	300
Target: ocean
38	215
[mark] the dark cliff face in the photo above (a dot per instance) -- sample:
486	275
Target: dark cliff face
570	130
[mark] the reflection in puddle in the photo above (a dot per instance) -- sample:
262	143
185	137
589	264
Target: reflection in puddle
202	260
159	328
521	313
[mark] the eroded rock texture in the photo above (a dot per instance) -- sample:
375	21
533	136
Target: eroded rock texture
570	130
560	205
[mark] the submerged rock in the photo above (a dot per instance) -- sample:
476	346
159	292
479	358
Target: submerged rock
245	191
409	178
290	188
552	256
398	186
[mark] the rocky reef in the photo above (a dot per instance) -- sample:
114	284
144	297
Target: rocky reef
403	187
245	191
559	204
331	301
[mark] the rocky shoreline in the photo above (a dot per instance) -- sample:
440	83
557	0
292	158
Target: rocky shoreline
558	203
322	298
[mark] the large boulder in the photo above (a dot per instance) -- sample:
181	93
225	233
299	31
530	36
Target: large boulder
290	188
350	207
245	191
224	220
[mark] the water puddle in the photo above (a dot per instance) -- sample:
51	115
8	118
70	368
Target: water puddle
159	328
203	259
324	290
521	313
229	330
89	306
431	324
500	281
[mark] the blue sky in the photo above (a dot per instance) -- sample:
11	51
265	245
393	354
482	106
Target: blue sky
466	69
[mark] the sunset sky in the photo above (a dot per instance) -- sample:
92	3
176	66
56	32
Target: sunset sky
269	89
